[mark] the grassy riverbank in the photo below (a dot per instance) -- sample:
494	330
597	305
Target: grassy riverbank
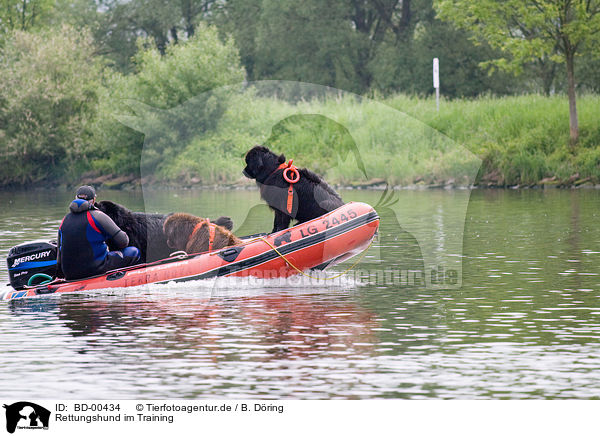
401	140
521	140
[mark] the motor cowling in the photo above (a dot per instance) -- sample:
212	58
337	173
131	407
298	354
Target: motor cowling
29	258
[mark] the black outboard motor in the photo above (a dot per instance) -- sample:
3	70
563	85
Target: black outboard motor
31	258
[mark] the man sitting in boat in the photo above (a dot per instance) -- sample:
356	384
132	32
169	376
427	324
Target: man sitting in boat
82	237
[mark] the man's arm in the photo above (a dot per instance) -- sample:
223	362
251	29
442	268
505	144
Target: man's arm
111	230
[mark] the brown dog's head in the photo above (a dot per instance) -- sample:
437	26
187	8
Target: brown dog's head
178	228
261	162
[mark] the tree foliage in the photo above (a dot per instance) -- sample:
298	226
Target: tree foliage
23	14
407	67
310	41
528	30
48	97
165	22
387	45
176	87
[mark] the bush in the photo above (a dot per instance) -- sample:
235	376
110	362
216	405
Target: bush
48	97
177	89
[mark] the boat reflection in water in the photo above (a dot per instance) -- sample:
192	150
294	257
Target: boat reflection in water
261	325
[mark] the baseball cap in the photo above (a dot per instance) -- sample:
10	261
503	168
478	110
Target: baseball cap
85	192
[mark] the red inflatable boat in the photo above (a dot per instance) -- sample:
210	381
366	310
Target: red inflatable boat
322	242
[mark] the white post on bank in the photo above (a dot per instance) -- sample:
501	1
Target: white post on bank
436	82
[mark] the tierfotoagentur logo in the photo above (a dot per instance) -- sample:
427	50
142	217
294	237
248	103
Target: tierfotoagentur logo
24	415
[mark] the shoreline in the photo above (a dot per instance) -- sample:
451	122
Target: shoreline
379	186
488	180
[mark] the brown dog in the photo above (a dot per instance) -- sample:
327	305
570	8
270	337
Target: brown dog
193	234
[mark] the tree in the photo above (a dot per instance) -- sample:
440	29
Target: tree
330	43
240	18
22	14
356	45
382	22
405	65
164	21
48	100
312	41
530	30
183	93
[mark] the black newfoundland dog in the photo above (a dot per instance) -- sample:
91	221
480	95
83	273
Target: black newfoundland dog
145	230
312	197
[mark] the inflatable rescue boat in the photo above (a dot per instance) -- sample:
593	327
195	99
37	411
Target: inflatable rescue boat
320	243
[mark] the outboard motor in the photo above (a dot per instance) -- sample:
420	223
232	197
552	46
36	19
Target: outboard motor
29	258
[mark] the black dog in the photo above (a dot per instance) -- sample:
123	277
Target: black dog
145	230
312	196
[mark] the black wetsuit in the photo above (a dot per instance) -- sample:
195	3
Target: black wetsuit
82	249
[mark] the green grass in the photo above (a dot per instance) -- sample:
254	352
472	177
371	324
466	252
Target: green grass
520	140
401	140
524	138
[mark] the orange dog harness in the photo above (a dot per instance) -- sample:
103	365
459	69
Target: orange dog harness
211	232
288	169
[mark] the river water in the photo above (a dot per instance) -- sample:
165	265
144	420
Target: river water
523	321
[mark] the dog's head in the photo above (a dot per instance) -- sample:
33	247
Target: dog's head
113	210
177	229
261	162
